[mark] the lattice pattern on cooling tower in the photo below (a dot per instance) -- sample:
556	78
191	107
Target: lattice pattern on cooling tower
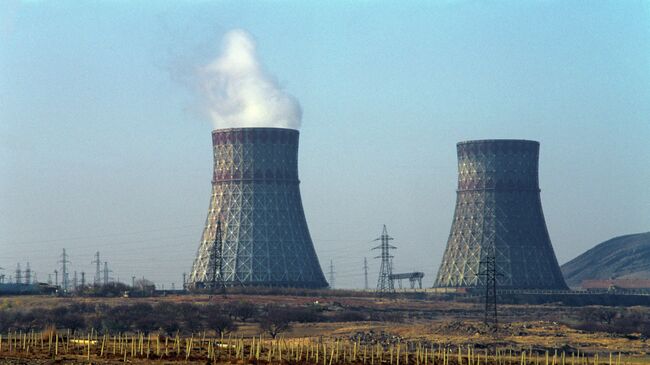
498	206
256	196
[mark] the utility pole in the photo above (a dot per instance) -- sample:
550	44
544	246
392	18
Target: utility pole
106	271
56	277
184	281
83	280
217	268
385	282
489	271
19	275
98	271
331	274
64	271
75	282
28	275
365	273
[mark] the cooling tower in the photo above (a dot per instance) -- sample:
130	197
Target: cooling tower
256	201
499	211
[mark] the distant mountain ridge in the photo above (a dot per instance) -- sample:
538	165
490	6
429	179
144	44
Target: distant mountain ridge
623	257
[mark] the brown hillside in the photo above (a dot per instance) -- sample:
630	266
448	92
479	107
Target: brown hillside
624	257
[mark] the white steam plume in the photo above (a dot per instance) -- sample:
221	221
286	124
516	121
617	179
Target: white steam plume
238	91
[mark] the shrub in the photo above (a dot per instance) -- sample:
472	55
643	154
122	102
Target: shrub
275	320
218	321
349	316
380	316
304	314
242	310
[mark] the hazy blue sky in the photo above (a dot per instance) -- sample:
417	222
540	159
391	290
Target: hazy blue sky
104	146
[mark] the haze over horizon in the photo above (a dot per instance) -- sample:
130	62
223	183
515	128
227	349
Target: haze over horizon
106	147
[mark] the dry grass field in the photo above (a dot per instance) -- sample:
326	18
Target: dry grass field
423	331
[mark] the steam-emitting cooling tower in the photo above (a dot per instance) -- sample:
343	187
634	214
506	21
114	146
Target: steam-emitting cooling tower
256	204
499	215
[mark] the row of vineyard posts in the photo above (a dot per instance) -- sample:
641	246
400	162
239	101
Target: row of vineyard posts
123	347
